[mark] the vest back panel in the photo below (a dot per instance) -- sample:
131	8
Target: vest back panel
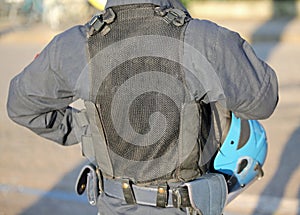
141	98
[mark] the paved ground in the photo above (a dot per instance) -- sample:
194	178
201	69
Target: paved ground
37	176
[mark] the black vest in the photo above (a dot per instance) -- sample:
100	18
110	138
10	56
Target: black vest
149	126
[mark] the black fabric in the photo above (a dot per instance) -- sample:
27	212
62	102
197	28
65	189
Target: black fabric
140	110
148	110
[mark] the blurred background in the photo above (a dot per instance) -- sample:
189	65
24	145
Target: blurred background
38	176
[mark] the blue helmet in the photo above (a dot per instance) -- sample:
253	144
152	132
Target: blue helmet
242	154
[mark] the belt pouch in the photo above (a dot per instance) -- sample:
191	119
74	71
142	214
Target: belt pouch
208	194
88	180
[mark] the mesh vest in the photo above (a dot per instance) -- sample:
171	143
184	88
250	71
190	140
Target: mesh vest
145	124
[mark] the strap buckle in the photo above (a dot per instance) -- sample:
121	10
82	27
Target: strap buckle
180	197
128	191
162	196
99	22
172	15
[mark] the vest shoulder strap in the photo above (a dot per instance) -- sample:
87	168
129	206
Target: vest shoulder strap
99	22
173	16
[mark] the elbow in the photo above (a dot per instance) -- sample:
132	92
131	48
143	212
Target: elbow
10	101
263	106
270	99
260	112
266	104
13	105
265	110
10	113
271	108
11	110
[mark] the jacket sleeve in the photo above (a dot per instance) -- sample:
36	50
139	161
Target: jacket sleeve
39	97
250	84
247	85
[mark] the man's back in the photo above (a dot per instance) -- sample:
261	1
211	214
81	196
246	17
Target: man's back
156	85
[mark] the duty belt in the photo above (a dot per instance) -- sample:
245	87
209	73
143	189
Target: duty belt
159	196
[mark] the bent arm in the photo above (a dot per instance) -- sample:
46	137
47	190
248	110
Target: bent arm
242	82
250	84
39	97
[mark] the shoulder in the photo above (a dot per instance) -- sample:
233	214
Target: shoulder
207	27
67	53
72	40
202	35
199	26
202	32
205	33
77	33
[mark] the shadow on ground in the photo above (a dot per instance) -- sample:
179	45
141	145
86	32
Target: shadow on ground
272	30
283	13
62	199
289	163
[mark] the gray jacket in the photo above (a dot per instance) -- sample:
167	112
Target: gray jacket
232	74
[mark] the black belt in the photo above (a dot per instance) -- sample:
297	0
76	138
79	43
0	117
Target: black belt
91	179
160	196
